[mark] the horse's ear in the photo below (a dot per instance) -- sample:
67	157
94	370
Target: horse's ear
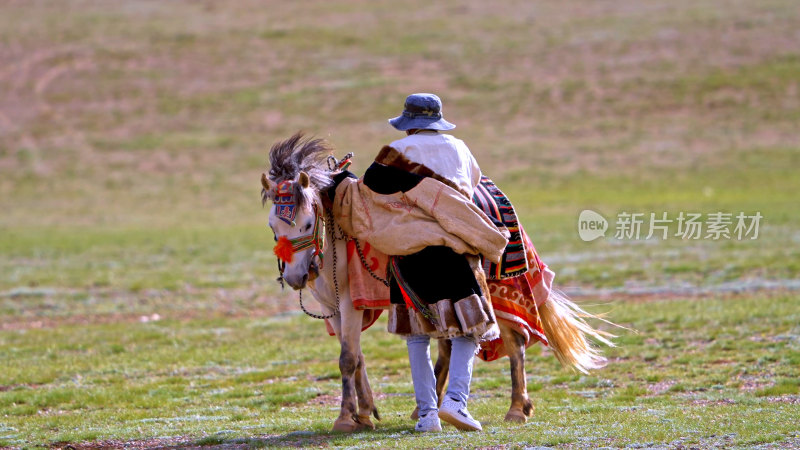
266	183
303	179
267	188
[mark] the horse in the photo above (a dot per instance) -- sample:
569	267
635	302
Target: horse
297	182
312	255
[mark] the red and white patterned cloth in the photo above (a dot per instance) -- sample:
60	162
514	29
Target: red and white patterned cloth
368	294
517	300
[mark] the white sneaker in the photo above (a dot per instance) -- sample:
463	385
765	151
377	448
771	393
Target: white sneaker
429	422
456	414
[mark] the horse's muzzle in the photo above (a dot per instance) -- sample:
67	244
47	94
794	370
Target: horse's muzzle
298	282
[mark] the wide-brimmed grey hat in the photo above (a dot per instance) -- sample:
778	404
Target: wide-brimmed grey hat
421	111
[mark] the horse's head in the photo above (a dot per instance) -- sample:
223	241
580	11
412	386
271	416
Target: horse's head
296	215
297	223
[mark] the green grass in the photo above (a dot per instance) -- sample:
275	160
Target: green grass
136	258
697	370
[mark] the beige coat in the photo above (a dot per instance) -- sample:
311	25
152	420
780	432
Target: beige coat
430	214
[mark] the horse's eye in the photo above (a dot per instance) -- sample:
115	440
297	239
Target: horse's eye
308	227
275	236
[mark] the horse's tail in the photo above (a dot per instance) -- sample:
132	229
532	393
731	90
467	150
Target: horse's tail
568	333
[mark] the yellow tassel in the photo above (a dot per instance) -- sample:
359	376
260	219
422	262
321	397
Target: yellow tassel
567	332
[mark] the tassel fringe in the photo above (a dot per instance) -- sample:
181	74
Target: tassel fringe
567	333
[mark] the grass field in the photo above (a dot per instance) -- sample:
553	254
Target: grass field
137	294
721	371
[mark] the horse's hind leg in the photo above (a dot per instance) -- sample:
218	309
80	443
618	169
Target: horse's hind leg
521	406
366	403
440	370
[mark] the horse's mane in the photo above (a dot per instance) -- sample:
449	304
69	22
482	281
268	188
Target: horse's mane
298	153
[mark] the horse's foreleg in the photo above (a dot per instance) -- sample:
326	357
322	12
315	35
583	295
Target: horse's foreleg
349	359
347	420
521	406
440	370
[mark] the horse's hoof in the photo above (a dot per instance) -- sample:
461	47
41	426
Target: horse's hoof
351	424
345	425
528	408
365	422
516	416
415	414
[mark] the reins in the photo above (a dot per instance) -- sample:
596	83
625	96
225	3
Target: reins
286	248
334	238
342	236
366	266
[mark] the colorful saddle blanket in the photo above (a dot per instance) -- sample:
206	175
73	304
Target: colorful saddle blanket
498	208
516	302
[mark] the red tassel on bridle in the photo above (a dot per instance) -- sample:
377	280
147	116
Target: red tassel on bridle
284	249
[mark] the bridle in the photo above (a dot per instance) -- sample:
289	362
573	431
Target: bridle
286	248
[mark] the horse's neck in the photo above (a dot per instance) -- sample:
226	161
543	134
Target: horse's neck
334	259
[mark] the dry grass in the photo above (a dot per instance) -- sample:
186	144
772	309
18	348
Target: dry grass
142	108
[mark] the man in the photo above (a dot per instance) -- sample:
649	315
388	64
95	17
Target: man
414	203
449	158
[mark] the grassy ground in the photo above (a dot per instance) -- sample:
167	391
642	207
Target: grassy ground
137	298
721	371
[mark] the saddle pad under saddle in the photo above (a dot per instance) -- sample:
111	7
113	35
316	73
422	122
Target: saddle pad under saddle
496	205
